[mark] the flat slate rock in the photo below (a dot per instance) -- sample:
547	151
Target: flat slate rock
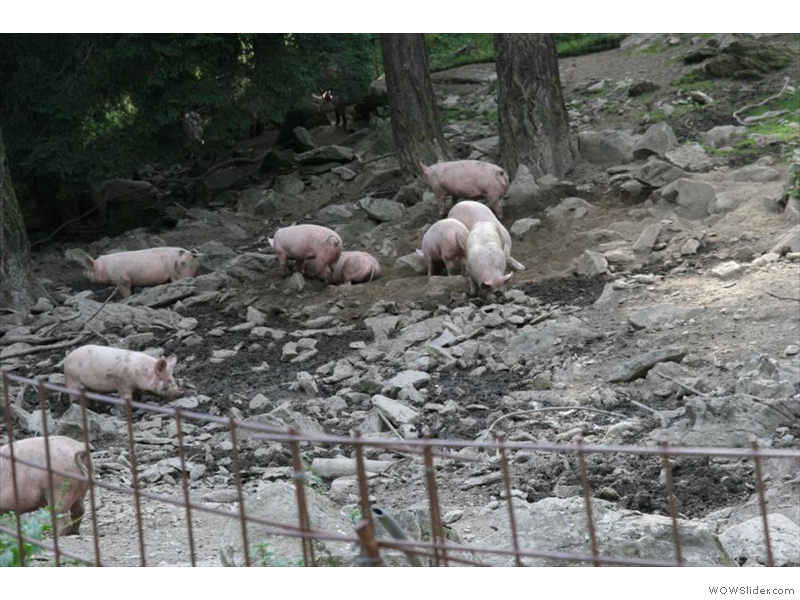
639	366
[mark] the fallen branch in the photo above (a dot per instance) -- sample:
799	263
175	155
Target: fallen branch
31	339
683	385
60	227
782	297
66	344
762	103
485	435
377	158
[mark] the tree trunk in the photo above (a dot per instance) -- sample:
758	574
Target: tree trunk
533	122
415	123
17	284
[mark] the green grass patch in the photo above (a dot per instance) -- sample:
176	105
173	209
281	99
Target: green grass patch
479	47
36	526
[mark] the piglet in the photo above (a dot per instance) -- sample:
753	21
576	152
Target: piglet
352	267
486	258
470	213
33	485
470	179
153	266
445	242
104	369
307	242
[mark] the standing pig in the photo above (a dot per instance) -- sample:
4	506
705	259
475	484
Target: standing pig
486	258
445	242
33	485
470	213
104	369
352	267
153	266
470	179
307	242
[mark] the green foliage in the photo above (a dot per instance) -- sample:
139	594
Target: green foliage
576	44
83	108
265	557
36	526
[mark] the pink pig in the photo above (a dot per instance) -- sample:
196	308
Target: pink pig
445	242
470	179
104	369
470	213
306	242
486	258
153	266
33	489
352	267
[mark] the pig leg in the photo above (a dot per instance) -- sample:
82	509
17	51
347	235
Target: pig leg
515	264
125	288
76	513
441	198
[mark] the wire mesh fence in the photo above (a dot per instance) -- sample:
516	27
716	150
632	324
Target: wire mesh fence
28	483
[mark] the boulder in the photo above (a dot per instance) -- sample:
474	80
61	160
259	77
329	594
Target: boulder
745	542
381	209
695	199
522	189
326	154
606	147
657	140
657	173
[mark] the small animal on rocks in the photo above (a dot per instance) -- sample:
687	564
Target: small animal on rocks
352	267
470	213
308	242
486	259
444	242
105	369
468	179
142	268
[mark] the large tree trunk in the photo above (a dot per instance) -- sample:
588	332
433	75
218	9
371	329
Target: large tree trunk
533	122
412	106
17	284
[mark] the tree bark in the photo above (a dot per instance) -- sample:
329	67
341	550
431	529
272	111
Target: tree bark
416	129
533	121
18	286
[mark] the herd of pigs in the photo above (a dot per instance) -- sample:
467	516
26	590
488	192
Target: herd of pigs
471	239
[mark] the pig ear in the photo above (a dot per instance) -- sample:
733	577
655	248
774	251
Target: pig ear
161	366
507	277
172	361
89	261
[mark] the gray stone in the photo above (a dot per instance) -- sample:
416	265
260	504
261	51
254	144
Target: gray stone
690	247
116	316
344	173
296	282
214	254
534	341
657	173
76	256
559	525
413	261
755	173
728	421
521	227
259	203
70	424
765	377
304	140
746	541
381	209
606	147
289	185
691	157
647	238
620	256
488	146
788	243
255	316
162	295
638	366
326	154
659	315
336	213
590	263
276	502
730	269
308	384
522	189
381	327
573	208
657	140
407	378
696	198
397	412
251	265
724	135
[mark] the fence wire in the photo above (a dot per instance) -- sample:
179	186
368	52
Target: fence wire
437	551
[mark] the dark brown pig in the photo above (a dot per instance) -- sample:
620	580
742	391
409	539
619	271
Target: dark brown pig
352	267
468	179
444	242
33	489
307	242
104	369
142	268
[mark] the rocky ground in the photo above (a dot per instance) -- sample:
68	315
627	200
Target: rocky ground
660	303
